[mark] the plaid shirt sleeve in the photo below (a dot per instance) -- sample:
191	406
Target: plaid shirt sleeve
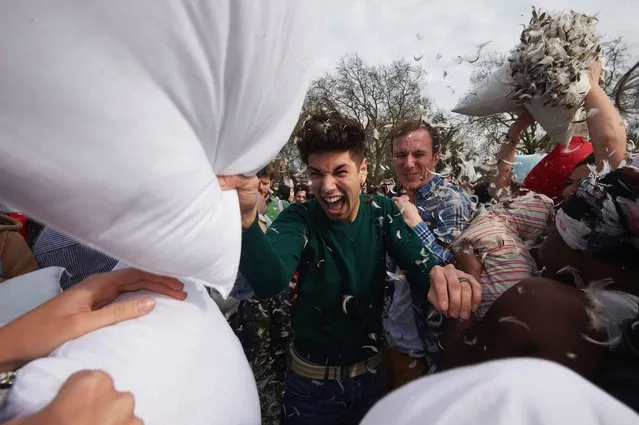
428	239
452	220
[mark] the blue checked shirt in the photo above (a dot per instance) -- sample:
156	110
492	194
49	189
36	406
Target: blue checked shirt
446	211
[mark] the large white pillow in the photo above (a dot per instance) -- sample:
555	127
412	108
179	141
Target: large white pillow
491	97
116	116
503	392
182	362
25	292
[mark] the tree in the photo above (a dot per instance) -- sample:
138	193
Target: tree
379	97
615	53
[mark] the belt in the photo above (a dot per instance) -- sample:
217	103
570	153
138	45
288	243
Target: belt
337	373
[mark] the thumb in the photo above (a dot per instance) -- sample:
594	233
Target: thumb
117	312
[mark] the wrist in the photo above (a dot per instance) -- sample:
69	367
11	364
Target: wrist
513	135
593	94
412	221
248	218
10	358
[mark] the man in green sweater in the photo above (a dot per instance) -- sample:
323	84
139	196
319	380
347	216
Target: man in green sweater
338	243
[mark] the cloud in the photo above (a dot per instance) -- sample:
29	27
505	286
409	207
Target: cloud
381	31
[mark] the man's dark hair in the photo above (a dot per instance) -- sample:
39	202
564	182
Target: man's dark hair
268	172
412	124
300	187
330	132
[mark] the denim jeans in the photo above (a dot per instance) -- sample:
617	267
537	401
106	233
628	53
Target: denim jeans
329	402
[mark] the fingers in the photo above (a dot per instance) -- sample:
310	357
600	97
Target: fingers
112	314
438	292
229	182
466	300
476	293
453	292
238	182
128	276
158	288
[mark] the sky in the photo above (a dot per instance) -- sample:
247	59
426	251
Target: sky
381	31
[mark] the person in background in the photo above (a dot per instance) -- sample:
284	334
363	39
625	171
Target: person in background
300	193
285	193
558	174
437	211
274	205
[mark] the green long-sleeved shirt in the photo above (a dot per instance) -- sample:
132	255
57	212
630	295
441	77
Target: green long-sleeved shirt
342	273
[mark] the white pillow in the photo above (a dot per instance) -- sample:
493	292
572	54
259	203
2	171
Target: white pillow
182	362
25	292
116	116
504	392
491	97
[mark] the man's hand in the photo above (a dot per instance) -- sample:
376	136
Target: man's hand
454	292
84	308
594	74
87	398
409	210
247	192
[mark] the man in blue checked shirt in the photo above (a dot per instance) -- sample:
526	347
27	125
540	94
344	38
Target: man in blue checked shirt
438	212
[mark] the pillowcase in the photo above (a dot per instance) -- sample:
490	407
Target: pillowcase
116	117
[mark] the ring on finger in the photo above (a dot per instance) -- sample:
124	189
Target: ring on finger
463	280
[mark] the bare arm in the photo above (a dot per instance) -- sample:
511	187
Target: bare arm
606	128
500	182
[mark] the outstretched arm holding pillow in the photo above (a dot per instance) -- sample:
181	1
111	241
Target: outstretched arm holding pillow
606	127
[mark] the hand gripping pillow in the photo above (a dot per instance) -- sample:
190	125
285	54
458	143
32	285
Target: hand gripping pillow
182	362
492	97
116	116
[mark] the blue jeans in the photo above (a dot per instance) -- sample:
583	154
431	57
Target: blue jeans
313	402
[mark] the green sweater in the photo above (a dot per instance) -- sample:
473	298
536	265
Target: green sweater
274	207
342	273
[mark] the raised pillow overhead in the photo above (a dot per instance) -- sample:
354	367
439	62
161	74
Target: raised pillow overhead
545	74
116	117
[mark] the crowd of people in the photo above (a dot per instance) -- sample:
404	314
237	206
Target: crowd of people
410	300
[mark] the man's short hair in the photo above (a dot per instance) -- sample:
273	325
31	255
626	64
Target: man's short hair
300	187
330	132
268	172
413	124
